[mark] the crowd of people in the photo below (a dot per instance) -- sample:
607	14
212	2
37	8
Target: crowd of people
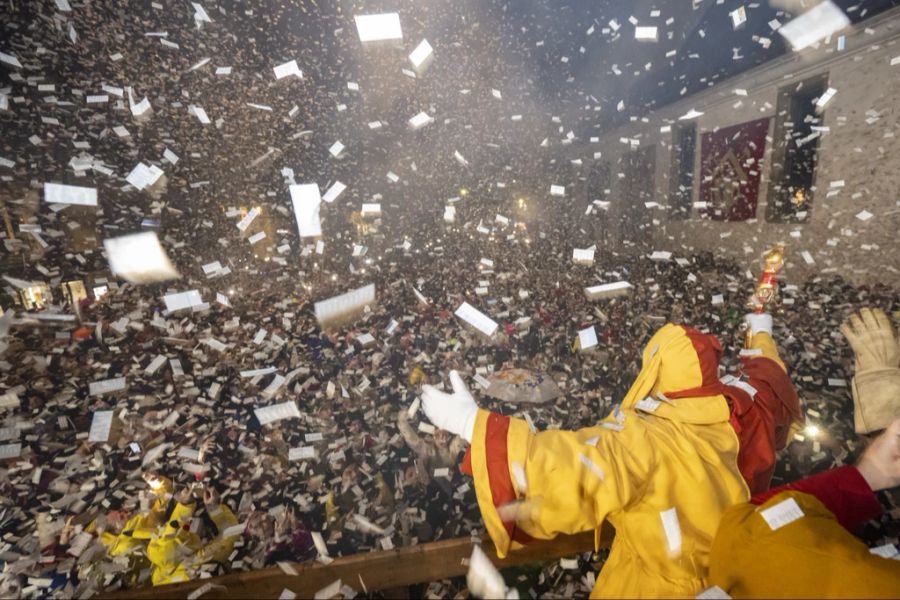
375	480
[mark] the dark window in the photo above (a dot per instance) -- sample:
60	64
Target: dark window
684	143
792	177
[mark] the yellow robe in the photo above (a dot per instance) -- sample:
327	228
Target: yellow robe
176	552
681	455
812	557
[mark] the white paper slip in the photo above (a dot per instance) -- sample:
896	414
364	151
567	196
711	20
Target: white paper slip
258	372
648	405
587	338
9	59
583	256
781	514
420	120
155	364
100	426
672	531
332	193
307	201
106	386
645	34
287	594
815	24
9	400
421	57
8	451
886	551
215	344
713	593
607	290
277	412
371	209
336	149
558	190
57	193
476	319
182	300
234	530
244	223
377	28
139	258
287	69
223	70
143	176
449	214
256	237
331	590
302	453
345	304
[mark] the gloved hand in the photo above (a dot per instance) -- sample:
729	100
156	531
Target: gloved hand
880	463
759	322
872	337
454	412
876	385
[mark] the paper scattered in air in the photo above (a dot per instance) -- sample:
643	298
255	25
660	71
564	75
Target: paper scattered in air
306	201
587	338
378	27
57	193
287	69
139	258
817	23
476	319
100	426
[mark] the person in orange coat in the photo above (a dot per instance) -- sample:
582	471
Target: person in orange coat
795	541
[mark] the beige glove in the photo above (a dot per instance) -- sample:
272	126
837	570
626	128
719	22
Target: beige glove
876	386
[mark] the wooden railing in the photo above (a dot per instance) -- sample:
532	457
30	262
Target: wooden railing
381	570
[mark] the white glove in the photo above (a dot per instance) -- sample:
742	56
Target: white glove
454	412
759	322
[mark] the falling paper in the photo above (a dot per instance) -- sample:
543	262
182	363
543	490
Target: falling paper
380	27
815	24
182	300
57	193
558	190
334	191
583	256
607	290
288	69
340	307
336	149
276	412
143	176
139	258
476	319
645	34
306	201
100	426
421	57
244	223
483	578
106	386
672	531
587	338
420	120
302	453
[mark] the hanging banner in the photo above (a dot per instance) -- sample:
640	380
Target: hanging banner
730	170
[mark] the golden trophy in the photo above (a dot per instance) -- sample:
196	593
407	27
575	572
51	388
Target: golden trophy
767	285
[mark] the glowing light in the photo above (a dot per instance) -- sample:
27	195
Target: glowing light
463	192
812	431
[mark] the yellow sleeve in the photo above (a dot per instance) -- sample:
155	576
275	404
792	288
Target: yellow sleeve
764	342
537	485
220	548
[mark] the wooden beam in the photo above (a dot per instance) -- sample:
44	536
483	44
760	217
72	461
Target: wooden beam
378	570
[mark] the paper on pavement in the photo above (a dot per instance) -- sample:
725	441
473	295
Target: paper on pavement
476	319
139	258
57	193
306	201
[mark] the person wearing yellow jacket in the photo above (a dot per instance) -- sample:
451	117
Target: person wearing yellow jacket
795	541
662	469
177	552
137	530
